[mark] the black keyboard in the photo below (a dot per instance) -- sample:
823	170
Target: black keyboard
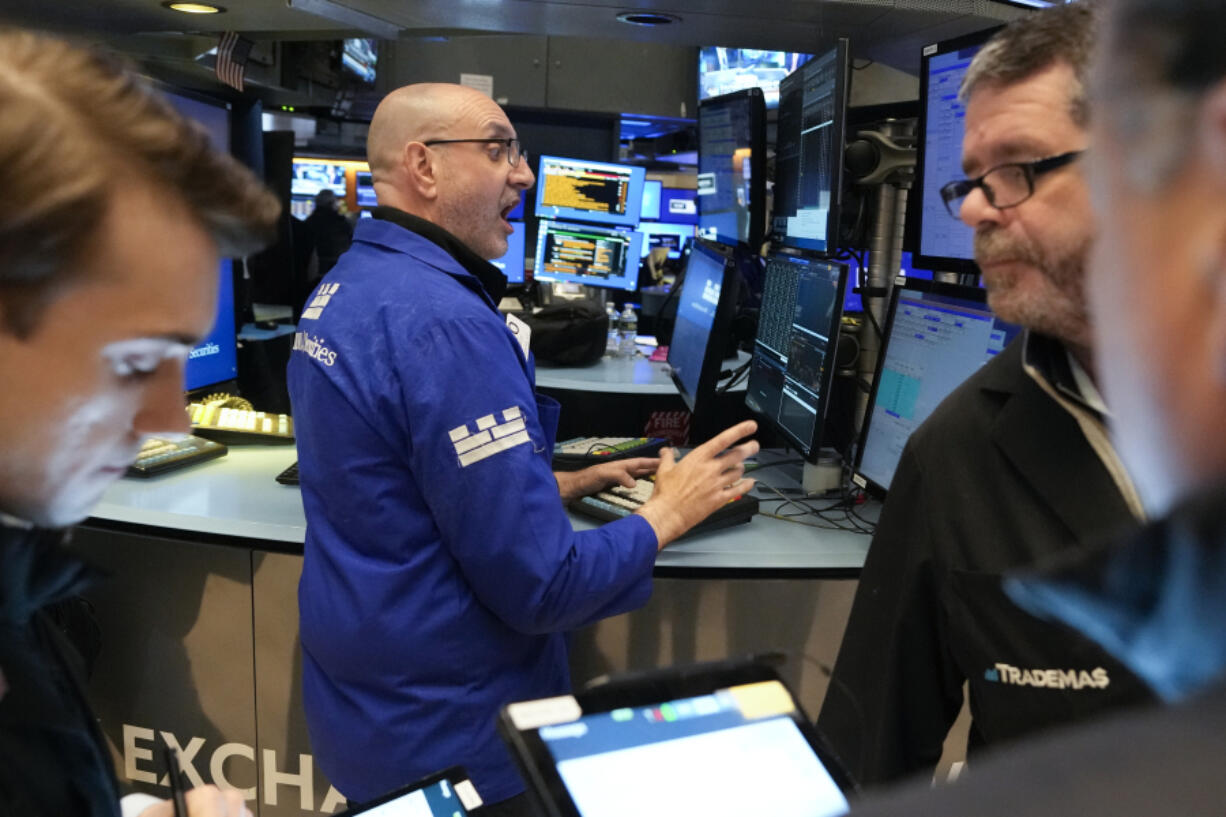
158	456
289	476
619	502
235	426
571	455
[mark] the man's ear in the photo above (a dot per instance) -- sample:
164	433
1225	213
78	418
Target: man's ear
420	170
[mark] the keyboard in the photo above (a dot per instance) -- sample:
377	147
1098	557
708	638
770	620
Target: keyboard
234	426
289	476
618	502
571	455
157	456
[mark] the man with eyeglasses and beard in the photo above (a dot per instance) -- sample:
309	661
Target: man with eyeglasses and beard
1014	466
441	572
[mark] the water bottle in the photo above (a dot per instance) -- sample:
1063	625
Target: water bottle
629	331
612	346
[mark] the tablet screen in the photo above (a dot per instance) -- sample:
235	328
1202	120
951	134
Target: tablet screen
736	751
446	794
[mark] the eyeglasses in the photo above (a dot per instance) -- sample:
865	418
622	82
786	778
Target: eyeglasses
1006	185
511	147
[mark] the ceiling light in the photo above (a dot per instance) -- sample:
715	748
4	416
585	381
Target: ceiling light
647	18
194	8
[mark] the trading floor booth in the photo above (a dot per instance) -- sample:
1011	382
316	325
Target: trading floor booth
200	621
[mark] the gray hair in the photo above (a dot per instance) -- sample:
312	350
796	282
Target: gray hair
1034	43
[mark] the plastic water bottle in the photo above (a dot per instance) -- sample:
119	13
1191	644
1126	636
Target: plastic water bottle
629	331
612	346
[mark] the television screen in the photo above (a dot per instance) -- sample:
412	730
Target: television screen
360	57
732	168
679	205
588	254
313	175
670	236
724	70
366	189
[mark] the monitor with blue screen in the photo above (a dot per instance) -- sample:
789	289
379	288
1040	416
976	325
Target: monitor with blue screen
679	205
583	190
653	190
215	359
365	189
940	241
706	301
512	261
936	336
587	254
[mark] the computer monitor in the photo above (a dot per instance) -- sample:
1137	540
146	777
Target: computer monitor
583	190
310	177
809	152
670	236
653	189
792	369
365	189
678	205
588	254
936	336
215	359
706	303
732	168
512	262
939	241
360	58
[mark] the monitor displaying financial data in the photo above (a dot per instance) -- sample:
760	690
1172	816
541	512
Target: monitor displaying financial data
792	369
936	336
809	152
512	262
582	190
587	254
942	242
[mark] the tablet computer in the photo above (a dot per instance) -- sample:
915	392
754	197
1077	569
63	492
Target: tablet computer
447	794
712	739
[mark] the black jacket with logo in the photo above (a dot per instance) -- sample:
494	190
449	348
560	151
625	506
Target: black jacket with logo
1158	603
53	759
1000	476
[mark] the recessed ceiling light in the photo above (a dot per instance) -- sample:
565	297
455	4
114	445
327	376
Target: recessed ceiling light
194	8
647	18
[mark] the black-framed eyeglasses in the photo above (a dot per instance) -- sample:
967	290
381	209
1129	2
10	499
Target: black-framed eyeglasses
511	148
1006	185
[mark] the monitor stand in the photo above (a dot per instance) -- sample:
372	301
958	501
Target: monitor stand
823	476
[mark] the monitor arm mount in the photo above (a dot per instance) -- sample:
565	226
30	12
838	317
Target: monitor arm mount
882	158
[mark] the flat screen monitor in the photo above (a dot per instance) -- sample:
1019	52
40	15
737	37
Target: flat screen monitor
792	369
679	205
706	301
314	175
215	359
670	236
809	152
725	70
936	336
588	254
939	241
732	168
365	189
582	190
360	58
512	262
653	189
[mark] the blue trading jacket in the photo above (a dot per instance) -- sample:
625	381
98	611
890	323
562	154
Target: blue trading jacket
440	569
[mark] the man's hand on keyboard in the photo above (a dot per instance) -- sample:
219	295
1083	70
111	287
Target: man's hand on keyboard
574	484
688	491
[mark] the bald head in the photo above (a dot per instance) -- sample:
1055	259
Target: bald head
459	186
